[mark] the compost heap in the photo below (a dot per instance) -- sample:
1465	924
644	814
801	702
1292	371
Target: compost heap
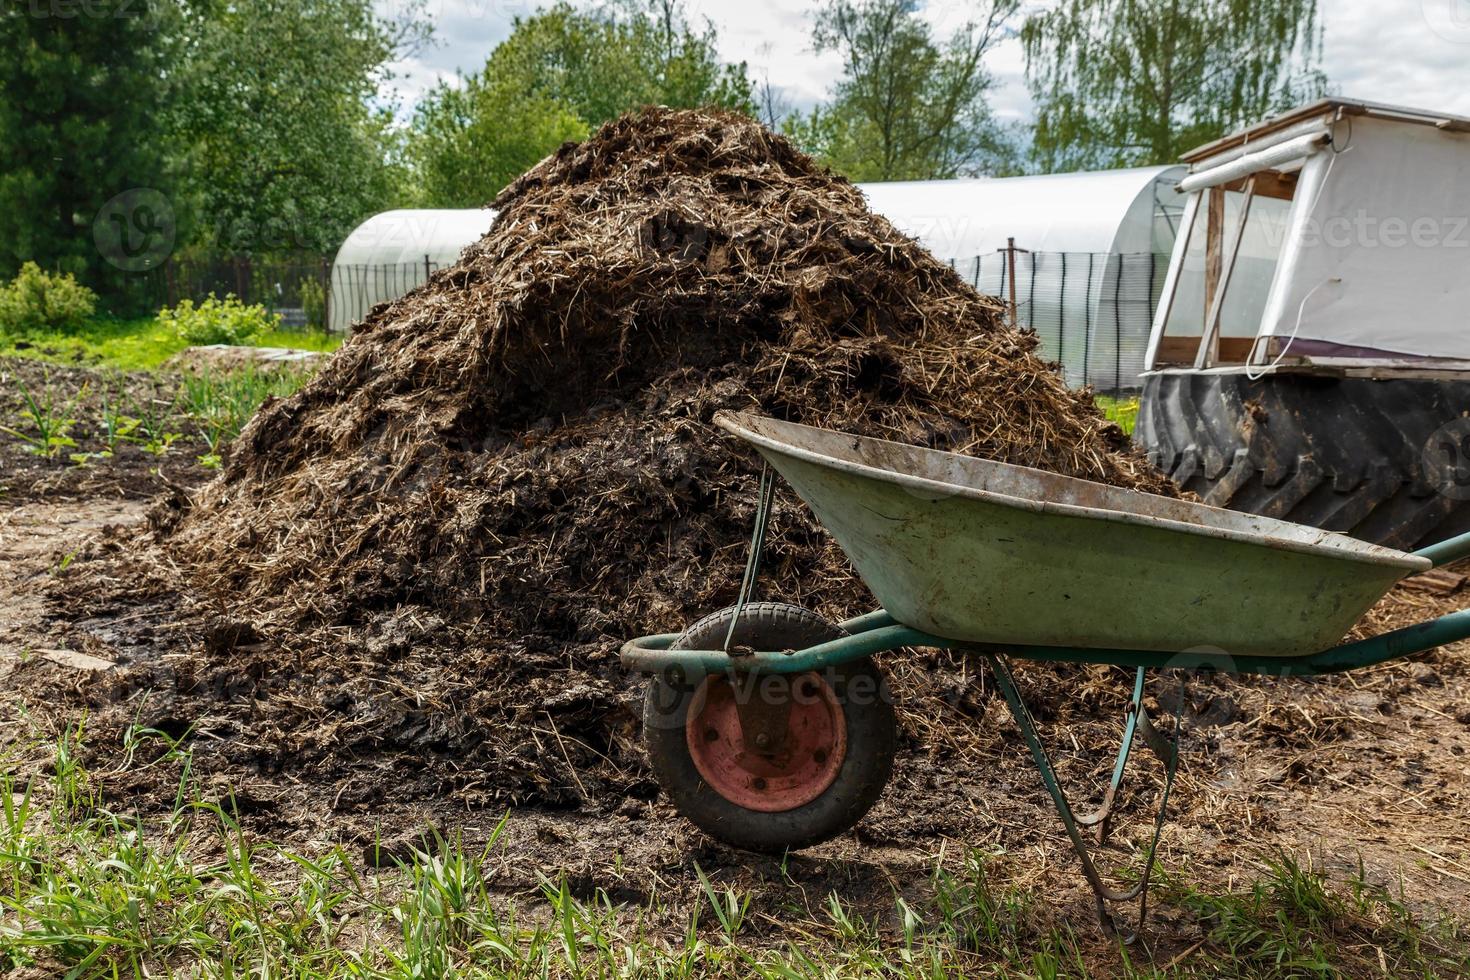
427	558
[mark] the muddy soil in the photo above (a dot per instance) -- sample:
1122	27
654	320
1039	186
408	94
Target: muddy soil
38	542
1368	767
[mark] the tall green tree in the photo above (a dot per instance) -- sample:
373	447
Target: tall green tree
284	145
560	73
908	106
1134	82
81	87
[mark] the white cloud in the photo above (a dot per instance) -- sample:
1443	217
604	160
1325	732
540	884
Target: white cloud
465	32
774	40
1410	52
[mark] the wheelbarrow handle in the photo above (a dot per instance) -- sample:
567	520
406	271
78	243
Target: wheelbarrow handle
1448	550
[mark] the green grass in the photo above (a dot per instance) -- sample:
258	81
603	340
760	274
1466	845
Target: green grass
1290	923
301	339
220	403
89	892
138	344
90	424
46	419
1123	411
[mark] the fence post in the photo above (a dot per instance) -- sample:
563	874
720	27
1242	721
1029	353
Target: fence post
1008	278
1118	326
1010	244
428	272
242	278
1087	321
326	295
1031	294
1062	317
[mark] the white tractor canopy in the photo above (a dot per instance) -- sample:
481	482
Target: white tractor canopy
393	252
1336	236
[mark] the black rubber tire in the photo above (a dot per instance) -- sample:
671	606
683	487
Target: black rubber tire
867	709
1344	454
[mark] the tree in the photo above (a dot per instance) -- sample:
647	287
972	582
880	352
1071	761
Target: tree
283	146
80	87
560	73
907	107
470	141
1134	82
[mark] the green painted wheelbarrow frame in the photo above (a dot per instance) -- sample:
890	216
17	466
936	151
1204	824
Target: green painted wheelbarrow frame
879	632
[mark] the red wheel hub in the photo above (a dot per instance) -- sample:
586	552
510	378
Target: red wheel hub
765	773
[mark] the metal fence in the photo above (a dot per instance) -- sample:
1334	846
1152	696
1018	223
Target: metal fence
294	287
301	289
1091	311
355	289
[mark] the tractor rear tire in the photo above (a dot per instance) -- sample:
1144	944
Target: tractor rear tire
1344	454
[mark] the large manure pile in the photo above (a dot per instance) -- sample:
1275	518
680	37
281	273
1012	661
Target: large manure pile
423	562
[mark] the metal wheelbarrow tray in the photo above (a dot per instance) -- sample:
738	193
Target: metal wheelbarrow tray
1002	561
979	551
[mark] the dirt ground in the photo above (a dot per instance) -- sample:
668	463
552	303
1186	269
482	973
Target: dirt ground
35	539
1368	767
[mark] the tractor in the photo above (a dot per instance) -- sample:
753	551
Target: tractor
1309	358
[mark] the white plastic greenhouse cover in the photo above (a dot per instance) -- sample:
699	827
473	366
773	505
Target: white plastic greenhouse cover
387	254
1096	249
1114	211
1102	211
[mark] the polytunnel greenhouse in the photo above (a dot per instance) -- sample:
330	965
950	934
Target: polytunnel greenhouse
1091	250
391	253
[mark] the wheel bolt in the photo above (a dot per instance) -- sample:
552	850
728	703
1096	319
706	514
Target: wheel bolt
762	740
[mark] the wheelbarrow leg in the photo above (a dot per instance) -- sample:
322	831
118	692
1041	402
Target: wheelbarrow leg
1101	893
1103	816
1137	724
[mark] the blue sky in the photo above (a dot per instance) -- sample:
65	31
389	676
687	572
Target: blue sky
1411	52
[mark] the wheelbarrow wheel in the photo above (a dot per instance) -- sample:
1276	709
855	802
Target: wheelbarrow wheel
822	770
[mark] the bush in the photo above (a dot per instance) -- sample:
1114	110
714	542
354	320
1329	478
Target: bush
36	300
314	303
218	321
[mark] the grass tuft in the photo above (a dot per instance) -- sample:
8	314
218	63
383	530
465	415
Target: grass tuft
221	403
139	344
1290	923
89	893
1123	411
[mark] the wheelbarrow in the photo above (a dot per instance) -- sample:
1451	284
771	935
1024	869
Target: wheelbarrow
772	729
